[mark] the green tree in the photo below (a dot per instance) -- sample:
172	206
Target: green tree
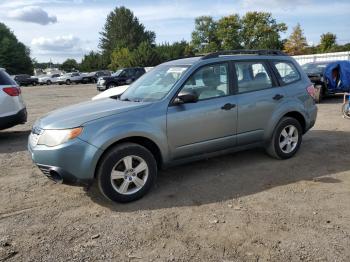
123	30
328	41
296	43
120	58
173	51
145	55
204	36
228	32
261	31
69	65
14	56
92	62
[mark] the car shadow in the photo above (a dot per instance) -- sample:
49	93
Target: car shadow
13	141
240	174
333	99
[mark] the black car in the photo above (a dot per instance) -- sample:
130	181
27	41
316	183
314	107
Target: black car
122	77
94	76
26	80
315	71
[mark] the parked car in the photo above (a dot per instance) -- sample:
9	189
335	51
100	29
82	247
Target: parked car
12	108
25	80
112	92
48	79
122	77
94	76
180	111
69	78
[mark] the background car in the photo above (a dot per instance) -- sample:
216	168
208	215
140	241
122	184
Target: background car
48	79
112	92
122	77
94	76
69	78
12	108
315	72
25	80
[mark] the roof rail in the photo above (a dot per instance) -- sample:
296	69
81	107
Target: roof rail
244	52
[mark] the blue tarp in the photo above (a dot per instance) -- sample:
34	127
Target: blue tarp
344	76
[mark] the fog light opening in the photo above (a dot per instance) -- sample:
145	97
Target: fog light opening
56	177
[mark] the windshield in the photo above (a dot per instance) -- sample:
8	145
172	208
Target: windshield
155	84
117	73
314	68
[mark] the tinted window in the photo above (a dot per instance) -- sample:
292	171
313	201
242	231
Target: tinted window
209	81
287	71
252	76
5	79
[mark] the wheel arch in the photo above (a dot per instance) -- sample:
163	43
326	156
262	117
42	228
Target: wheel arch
140	140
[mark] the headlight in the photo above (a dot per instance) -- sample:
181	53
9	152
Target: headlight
52	137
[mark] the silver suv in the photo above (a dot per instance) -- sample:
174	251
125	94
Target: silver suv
180	111
12	108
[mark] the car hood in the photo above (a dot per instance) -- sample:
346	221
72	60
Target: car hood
77	115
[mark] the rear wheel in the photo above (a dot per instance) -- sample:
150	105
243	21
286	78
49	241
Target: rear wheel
48	82
126	172
68	82
286	139
346	110
34	84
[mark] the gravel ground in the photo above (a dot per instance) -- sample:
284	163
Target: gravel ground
240	207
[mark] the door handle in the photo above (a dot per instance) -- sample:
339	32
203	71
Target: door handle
228	106
277	97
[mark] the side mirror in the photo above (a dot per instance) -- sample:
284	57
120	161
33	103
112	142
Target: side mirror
185	97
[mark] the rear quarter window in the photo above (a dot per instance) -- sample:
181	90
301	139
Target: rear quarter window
287	72
5	79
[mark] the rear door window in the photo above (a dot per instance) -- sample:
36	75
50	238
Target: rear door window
287	71
252	76
5	79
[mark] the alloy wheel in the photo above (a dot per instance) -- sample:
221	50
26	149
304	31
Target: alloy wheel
129	175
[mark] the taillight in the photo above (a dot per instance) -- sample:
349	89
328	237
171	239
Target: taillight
312	91
12	91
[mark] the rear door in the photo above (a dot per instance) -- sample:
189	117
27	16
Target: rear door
258	95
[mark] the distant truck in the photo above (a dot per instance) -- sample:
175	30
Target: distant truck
69	78
48	79
122	77
94	76
26	80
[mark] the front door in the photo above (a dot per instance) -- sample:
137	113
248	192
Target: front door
209	124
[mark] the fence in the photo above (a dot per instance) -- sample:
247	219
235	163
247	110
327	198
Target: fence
303	59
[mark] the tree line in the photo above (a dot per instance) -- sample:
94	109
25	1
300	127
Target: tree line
125	42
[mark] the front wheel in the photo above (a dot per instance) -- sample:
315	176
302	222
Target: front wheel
346	110
126	172
286	139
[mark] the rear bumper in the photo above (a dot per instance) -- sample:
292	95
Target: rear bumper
10	121
312	118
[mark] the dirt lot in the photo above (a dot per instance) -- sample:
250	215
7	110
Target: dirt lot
241	207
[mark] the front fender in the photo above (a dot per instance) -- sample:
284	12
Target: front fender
105	132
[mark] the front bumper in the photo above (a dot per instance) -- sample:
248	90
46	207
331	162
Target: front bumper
73	162
10	121
101	87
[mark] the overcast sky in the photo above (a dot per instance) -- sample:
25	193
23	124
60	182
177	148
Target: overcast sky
60	29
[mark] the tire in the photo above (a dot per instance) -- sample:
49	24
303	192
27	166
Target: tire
117	159
34	84
318	95
112	85
68	82
48	82
292	140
